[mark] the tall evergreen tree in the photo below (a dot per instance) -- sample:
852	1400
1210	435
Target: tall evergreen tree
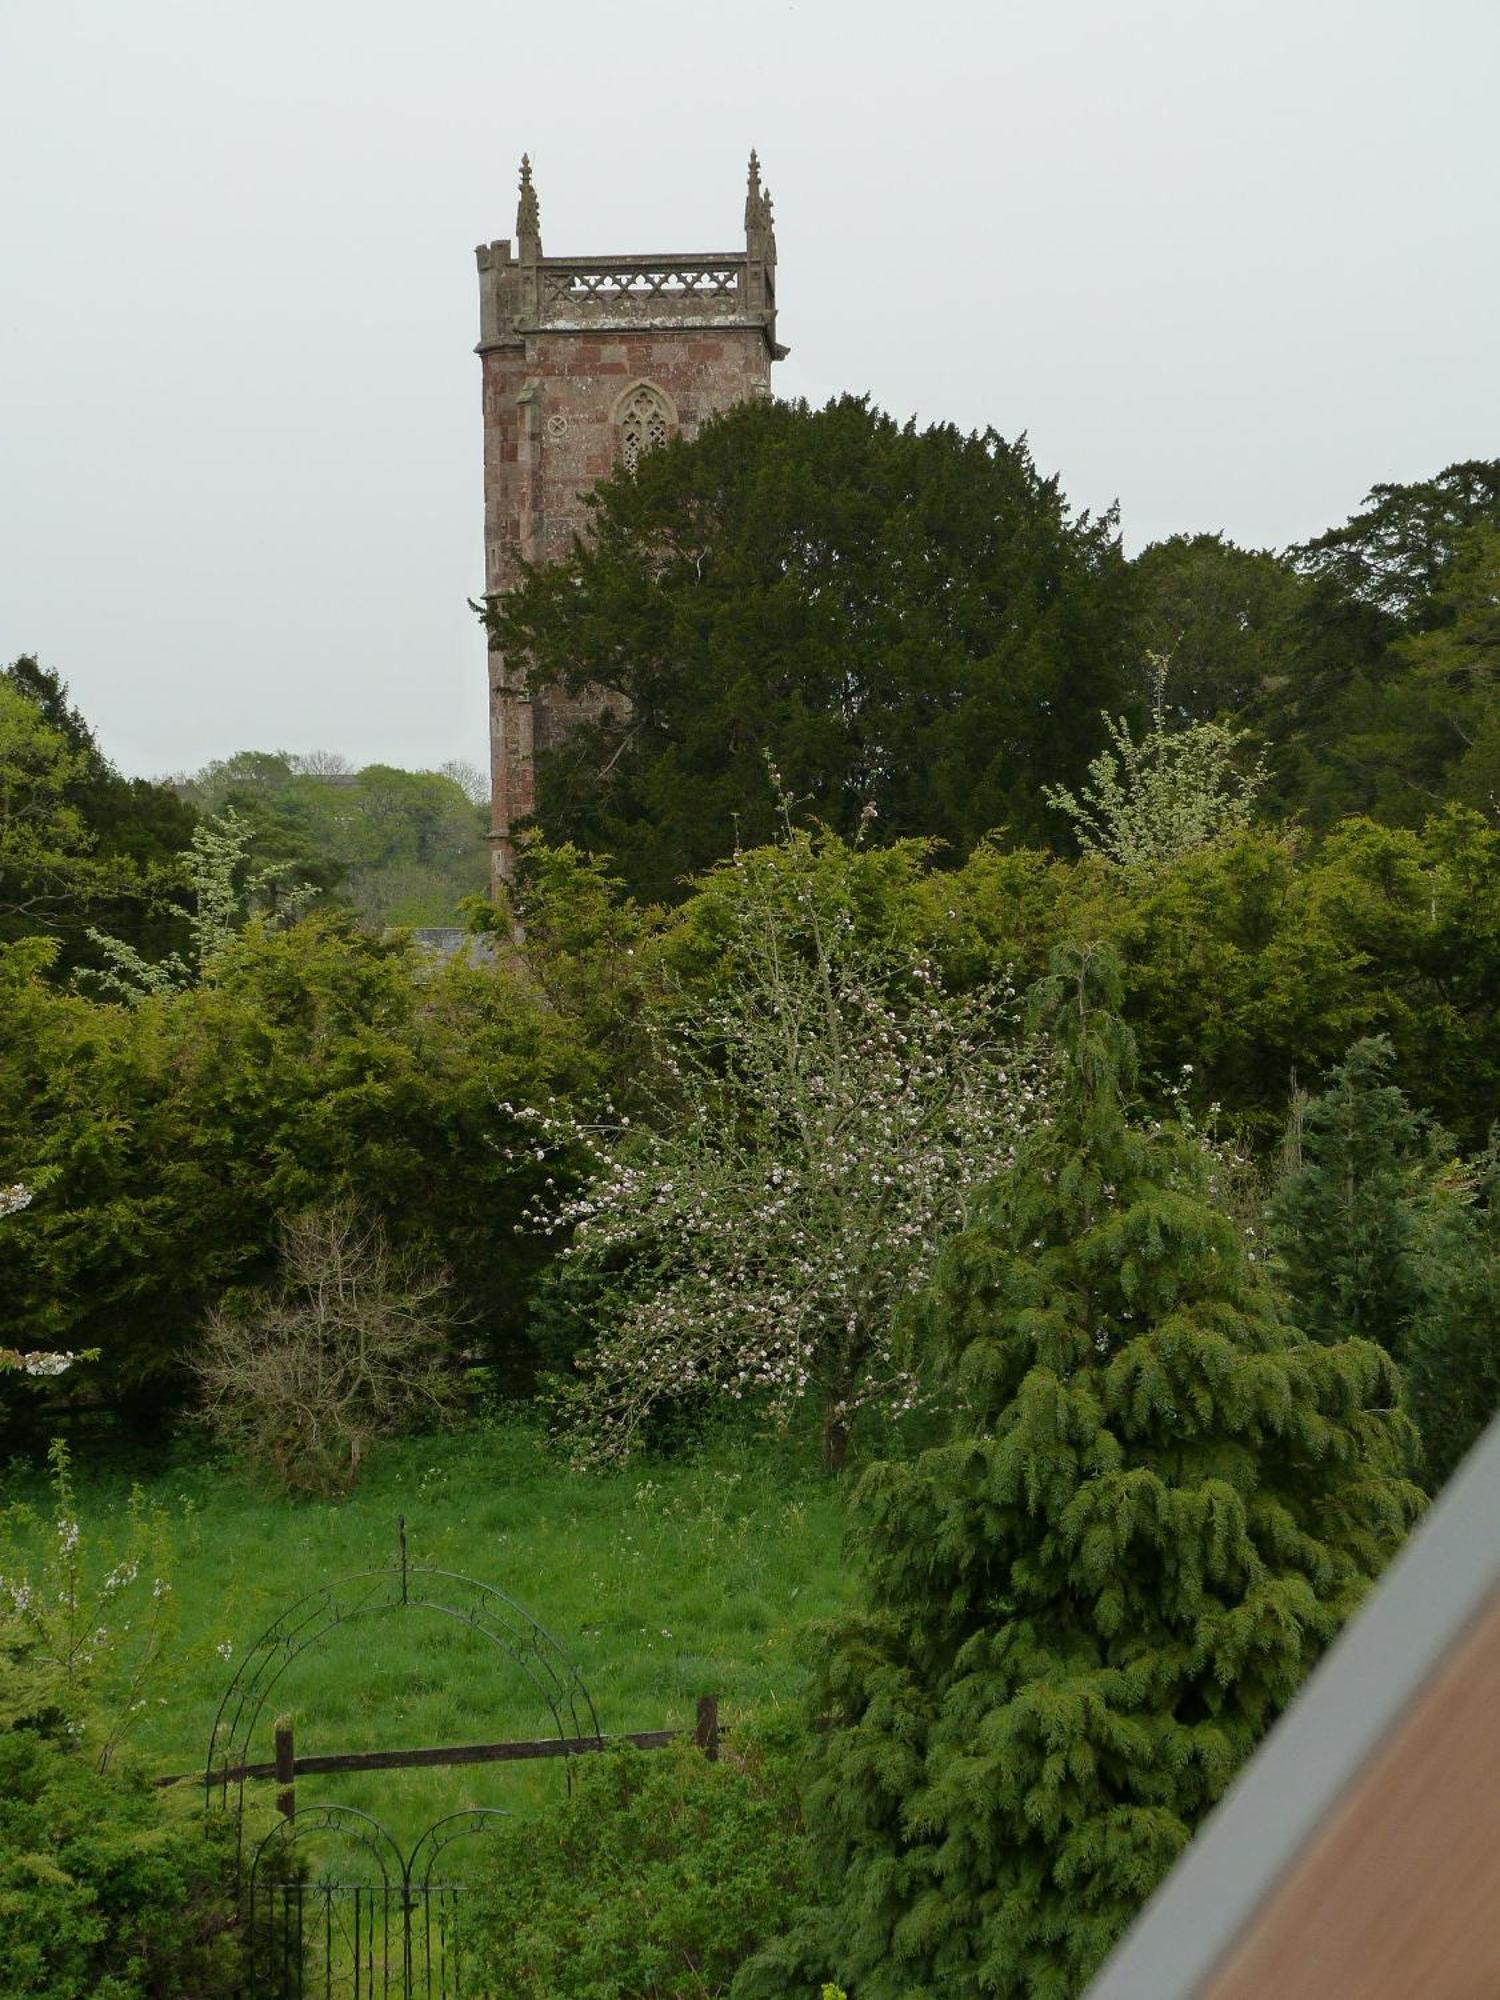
1454	1340
1434	731
1352	1222
1395	551
1157	1505
1222	617
911	620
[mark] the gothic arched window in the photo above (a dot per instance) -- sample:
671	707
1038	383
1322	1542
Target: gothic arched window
645	419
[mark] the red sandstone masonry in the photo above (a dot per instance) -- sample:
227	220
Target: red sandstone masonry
566	344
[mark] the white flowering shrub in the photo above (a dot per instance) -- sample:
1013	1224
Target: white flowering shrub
213	864
83	1630
818	1126
1147	804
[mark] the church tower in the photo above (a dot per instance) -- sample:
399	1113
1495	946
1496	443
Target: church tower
588	362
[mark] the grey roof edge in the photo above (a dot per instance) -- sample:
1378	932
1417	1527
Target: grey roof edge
1430	1595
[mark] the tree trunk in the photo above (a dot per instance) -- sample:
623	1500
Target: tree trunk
835	1436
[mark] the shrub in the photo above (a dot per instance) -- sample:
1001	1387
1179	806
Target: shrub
351	1346
83	1627
40	1364
658	1878
163	1141
1180	788
107	1890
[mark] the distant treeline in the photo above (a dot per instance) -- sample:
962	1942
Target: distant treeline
84	850
399	847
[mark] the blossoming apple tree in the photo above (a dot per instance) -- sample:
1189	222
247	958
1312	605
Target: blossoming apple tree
818	1124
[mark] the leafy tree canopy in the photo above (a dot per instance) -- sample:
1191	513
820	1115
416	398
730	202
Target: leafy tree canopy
908	621
43	840
402	847
81	847
1365	660
1222	620
1256	959
1434	731
137	817
1396	550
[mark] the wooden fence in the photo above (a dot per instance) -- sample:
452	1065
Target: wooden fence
286	1766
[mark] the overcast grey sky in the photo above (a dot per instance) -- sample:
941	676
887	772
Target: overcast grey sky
1229	260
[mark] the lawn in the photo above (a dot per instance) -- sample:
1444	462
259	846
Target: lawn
661	1583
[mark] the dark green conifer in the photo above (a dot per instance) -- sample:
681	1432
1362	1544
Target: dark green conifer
1156	1507
1453	1369
1351	1224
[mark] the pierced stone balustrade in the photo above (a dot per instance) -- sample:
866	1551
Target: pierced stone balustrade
578	291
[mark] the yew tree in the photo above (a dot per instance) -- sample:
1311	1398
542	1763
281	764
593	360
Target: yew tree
1226	619
1157	1504
909	620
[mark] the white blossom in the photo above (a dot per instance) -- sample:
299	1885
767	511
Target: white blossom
1147	804
824	1121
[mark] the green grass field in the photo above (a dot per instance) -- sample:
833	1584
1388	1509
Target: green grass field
661	1583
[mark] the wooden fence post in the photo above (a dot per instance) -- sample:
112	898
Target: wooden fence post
706	1735
286	1768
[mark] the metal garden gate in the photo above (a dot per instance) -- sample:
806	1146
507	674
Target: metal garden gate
396	1934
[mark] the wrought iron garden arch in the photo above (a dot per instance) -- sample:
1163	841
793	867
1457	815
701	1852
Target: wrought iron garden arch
406	1889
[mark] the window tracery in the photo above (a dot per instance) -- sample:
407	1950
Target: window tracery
645	420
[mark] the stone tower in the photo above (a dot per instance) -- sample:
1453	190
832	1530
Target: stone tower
589	361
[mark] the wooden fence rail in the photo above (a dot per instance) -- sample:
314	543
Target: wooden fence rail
287	1766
